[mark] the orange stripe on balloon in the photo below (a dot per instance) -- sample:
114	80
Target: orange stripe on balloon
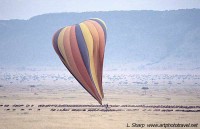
101	45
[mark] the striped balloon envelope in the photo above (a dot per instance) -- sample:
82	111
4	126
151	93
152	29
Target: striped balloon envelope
81	49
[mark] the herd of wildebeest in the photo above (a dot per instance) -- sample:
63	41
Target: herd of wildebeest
104	108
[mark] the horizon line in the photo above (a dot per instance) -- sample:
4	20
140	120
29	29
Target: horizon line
99	11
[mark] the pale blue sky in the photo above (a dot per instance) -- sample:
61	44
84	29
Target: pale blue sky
24	9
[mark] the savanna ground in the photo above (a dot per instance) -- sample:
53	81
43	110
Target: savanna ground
141	98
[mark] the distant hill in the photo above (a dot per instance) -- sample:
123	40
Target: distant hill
138	39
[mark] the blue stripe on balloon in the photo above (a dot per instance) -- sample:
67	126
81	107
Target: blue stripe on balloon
83	48
55	43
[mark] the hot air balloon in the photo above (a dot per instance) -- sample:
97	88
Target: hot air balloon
81	49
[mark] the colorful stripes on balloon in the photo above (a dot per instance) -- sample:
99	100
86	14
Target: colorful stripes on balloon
81	49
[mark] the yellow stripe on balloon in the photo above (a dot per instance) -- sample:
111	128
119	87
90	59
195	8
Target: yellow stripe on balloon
61	46
89	42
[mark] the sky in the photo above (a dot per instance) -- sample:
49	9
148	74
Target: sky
25	9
